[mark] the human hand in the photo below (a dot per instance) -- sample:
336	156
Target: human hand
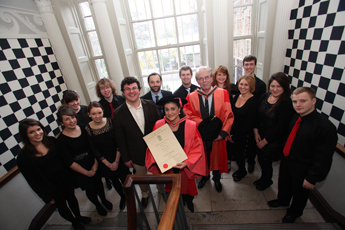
129	164
219	138
180	165
307	185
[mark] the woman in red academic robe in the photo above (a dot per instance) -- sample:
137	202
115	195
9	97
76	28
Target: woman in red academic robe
188	136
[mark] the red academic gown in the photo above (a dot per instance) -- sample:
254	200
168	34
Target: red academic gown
196	162
222	109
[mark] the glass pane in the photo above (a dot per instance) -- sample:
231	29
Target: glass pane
185	6
190	55
237	73
148	62
165	30
242	2
101	68
242	48
171	82
85	9
242	21
140	9
96	48
89	25
160	10
168	59
143	32
188	29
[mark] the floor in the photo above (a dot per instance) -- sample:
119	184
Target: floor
238	203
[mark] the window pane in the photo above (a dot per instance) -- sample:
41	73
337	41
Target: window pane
168	59
185	6
242	48
165	30
242	21
148	62
89	25
101	68
85	9
160	10
190	55
242	2
171	81
95	43
143	33
237	73
140	9
188	29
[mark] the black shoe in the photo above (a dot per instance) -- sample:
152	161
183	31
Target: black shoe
122	203
84	219
218	186
144	202
77	225
257	182
101	211
288	219
239	175
263	186
108	183
202	183
107	204
275	203
251	168
190	206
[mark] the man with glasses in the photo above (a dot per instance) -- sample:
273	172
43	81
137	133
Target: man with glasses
210	102
132	120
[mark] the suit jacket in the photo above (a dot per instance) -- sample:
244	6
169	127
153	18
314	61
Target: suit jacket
148	96
117	101
128	134
182	92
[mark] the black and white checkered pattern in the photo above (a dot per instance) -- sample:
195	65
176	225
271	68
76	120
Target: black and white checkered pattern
315	56
31	85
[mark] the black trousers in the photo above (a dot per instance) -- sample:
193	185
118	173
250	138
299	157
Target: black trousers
266	170
290	185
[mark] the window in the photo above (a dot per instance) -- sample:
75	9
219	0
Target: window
242	34
166	37
93	41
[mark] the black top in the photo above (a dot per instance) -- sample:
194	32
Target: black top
46	175
244	119
260	88
179	134
117	101
83	118
182	92
314	143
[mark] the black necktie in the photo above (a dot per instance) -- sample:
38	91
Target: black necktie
157	99
206	107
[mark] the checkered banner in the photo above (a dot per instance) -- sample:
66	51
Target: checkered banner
315	56
31	85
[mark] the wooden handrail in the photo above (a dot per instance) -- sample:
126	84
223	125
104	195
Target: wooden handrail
169	213
340	149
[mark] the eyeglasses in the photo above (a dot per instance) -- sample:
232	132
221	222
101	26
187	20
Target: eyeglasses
104	87
204	78
131	89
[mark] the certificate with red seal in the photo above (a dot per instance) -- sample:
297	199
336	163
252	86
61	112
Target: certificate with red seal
165	148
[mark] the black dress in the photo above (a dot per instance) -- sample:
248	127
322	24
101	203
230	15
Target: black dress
78	150
104	145
46	175
83	118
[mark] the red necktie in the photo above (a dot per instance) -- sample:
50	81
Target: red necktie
291	137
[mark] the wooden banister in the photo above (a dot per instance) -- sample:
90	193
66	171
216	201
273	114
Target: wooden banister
169	213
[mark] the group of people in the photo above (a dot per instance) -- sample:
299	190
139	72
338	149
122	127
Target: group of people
213	123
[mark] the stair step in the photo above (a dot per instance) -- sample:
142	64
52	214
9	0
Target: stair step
280	226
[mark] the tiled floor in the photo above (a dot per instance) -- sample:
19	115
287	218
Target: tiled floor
238	203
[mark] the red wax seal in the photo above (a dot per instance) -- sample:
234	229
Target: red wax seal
165	166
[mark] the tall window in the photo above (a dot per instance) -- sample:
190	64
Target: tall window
92	37
242	34
166	34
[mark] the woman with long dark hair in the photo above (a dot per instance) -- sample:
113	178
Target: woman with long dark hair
103	139
76	152
188	136
274	111
42	168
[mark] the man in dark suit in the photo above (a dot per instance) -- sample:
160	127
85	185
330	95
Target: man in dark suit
132	120
156	93
187	87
